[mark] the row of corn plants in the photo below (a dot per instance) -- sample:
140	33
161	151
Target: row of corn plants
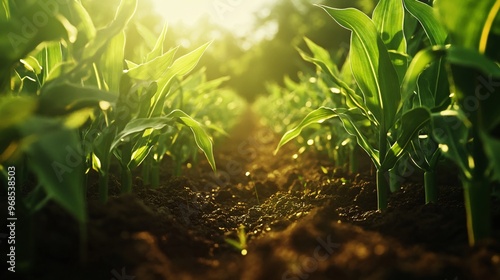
72	103
419	85
294	99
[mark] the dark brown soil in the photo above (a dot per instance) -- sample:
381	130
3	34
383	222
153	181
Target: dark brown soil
303	219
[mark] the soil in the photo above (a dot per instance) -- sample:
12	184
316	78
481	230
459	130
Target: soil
303	218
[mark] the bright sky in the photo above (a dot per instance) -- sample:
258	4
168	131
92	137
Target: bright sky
235	15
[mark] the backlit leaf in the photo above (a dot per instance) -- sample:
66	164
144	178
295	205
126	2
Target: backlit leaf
317	116
388	17
411	123
56	159
200	136
451	130
371	65
426	16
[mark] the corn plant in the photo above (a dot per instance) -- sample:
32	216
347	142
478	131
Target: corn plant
216	109
378	62
40	76
44	100
129	127
314	89
82	109
136	127
467	134
429	89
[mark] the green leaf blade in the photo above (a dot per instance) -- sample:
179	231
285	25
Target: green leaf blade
388	16
427	18
411	123
371	65
200	136
319	115
474	34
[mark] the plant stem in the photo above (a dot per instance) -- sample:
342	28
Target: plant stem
177	168
146	171
382	185
126	180
477	206
382	190
430	187
155	175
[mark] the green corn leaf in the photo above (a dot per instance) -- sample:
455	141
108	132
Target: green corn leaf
139	155
153	69
148	36
489	100
323	55
354	98
200	136
52	58
479	17
426	16
186	63
317	116
346	75
5	15
131	64
145	100
492	150
136	126
85	25
112	62
411	123
18	38
158	48
451	130
101	150
141	147
180	67
419	63
61	99
32	64
56	159
400	62
412	35
433	86
123	15
10	112
350	120
371	65
473	59
211	85
419	155
388	17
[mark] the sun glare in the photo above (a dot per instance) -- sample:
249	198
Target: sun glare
235	15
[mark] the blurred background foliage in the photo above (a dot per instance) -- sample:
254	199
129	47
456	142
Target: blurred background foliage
251	60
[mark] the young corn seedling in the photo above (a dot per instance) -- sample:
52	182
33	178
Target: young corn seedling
331	139
241	243
378	65
46	75
429	89
131	140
